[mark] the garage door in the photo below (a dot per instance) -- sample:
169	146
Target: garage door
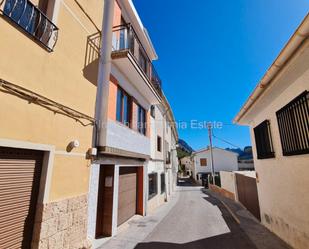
127	193
20	172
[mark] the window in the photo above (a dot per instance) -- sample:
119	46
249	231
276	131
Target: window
141	120
123	33
162	183
152	185
123	108
293	122
153	111
263	141
203	161
159	143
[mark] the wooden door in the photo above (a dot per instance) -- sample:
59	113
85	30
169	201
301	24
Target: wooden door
105	201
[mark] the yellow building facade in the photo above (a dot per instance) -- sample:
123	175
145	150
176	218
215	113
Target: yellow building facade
48	72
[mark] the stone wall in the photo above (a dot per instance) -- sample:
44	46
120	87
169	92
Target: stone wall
62	224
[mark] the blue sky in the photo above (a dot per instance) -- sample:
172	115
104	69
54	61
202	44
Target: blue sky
212	54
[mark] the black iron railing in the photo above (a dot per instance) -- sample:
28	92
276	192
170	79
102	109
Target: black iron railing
32	20
125	39
293	122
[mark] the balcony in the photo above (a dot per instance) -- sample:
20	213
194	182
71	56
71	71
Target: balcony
126	44
32	21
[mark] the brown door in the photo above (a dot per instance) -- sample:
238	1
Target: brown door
127	193
105	201
20	173
247	194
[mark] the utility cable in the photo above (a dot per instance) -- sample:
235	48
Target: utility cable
225	141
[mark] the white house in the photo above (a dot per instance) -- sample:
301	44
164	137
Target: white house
223	160
277	112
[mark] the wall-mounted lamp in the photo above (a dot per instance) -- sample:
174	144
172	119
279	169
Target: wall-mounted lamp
73	144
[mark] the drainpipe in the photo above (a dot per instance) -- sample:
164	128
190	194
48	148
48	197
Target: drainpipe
104	73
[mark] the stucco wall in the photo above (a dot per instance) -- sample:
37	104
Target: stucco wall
59	76
245	166
156	129
93	200
283	181
157	200
175	163
223	161
122	137
228	181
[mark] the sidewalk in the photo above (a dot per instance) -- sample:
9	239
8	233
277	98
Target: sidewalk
138	228
261	237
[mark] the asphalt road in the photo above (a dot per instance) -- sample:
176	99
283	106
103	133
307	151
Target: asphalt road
198	221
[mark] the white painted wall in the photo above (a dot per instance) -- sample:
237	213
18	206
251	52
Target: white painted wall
245	166
156	129
93	200
175	163
283	181
122	137
228	181
156	201
223	161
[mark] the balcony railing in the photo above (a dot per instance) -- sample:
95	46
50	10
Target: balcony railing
31	20
126	40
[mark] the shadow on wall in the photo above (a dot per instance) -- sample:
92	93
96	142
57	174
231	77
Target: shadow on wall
236	239
92	55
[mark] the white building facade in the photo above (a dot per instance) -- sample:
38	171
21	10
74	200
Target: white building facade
278	115
223	160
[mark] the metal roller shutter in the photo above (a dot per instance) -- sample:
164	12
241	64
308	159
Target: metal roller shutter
20	173
127	193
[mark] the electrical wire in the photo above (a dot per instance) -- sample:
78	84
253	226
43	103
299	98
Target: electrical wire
51	105
225	141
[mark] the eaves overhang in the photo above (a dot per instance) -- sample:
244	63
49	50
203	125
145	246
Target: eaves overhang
297	39
116	152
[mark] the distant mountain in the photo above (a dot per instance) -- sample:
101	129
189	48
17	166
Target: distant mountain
184	146
238	151
245	154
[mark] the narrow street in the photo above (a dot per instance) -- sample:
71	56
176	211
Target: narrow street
197	220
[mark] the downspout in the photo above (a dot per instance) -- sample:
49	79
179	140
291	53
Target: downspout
101	106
